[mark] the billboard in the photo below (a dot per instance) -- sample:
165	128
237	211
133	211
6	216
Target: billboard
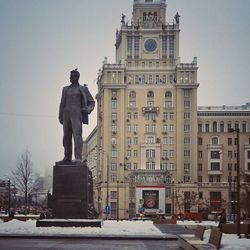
151	199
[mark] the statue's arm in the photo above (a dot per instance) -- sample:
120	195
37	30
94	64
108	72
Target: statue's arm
90	100
61	108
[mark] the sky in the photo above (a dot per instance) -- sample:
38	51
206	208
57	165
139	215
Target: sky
42	41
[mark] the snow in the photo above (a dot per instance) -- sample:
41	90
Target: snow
108	229
228	241
113	229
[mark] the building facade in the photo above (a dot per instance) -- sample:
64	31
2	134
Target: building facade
148	126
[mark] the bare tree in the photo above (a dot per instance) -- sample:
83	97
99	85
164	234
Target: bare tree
24	176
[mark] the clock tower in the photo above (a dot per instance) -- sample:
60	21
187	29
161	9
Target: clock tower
147	101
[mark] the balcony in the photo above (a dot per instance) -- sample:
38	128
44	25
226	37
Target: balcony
150	110
215	172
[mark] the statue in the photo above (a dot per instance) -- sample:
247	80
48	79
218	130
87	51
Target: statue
76	104
177	18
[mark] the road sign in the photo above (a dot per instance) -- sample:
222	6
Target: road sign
107	210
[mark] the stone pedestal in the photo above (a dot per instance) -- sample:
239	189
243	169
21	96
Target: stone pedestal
70	191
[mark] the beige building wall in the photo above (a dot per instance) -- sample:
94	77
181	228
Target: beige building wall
148	127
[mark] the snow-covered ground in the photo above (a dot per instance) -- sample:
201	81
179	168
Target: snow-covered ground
114	228
109	228
228	241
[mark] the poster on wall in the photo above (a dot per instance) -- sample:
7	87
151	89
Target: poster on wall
151	199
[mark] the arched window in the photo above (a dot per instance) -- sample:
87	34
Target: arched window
132	99
168	99
214	126
150	99
222	127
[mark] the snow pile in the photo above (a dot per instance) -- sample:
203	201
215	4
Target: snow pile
109	229
228	241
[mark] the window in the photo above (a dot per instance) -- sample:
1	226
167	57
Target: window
114	116
164	46
187	93
230	141
187	178
244	127
211	179
186	104
114	128
217	178
248	154
186	140
171	153
129	153
135	115
113	153
207	127
200	179
171	116
114	104
150	165
187	116
222	127
215	201
136	45
215	140
215	154
165	128
135	153
200	154
150	79
201	194
129	116
230	154
129	46
165	115
171	140
113	195
171	46
150	99
113	166
199	127
214	126
164	140
186	153
200	141
186	127
171	127
132	99
150	153
168	99
229	126
134	166
113	178
215	166
150	139
230	166
200	167
186	167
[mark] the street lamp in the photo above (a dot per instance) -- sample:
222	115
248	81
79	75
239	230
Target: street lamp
230	195
107	209
237	130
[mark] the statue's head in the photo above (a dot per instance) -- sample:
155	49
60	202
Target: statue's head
74	76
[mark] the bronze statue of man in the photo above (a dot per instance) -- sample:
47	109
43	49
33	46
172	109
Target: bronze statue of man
76	104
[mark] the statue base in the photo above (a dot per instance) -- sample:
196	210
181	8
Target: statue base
70	191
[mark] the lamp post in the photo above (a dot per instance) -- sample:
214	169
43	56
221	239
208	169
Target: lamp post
230	195
107	209
9	194
237	130
173	207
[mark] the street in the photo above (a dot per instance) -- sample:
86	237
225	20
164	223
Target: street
26	244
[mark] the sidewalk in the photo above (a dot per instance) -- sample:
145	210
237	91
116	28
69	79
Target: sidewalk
130	230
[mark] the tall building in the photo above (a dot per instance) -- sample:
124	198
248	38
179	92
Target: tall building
147	153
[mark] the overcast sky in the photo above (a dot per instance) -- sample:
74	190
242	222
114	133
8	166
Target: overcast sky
41	41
